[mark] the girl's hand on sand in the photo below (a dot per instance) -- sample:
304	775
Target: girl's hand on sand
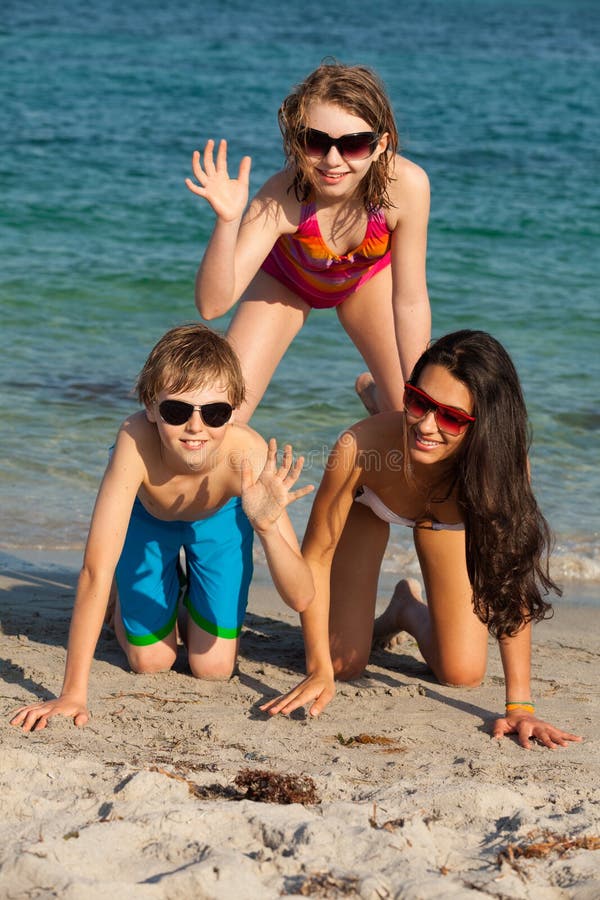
264	499
318	687
227	196
37	715
527	727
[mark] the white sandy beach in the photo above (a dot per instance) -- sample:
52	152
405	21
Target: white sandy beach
409	798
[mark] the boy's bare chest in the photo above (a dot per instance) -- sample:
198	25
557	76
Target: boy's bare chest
186	498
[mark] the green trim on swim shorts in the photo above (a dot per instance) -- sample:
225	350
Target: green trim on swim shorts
207	625
143	640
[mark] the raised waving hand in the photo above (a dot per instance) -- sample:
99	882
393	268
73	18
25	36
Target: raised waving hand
264	498
227	196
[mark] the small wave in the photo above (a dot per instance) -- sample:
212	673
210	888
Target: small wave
574	562
574	567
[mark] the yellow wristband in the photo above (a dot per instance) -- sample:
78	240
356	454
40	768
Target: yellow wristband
520	704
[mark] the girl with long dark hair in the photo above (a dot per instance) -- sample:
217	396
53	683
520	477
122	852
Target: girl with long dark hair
452	466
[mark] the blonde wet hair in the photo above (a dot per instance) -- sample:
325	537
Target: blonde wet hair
190	357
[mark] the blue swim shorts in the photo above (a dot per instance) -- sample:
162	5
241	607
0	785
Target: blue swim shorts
218	552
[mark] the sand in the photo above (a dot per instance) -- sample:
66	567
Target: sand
409	798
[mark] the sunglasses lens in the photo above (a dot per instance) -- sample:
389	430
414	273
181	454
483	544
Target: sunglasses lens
449	423
216	414
414	404
316	143
175	412
357	146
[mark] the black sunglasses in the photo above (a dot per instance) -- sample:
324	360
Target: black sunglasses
176	412
351	146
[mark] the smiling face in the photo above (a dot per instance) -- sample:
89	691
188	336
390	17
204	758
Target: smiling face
193	445
426	443
333	175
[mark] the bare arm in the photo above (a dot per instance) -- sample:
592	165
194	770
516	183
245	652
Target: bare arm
520	719
104	545
454	641
239	243
515	652
410	300
325	526
264	500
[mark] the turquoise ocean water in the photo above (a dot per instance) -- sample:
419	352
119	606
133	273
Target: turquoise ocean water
101	108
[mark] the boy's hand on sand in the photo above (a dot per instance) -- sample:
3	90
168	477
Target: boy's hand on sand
37	715
264	499
528	728
318	687
227	196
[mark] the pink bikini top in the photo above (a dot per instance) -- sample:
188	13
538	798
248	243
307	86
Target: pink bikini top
304	262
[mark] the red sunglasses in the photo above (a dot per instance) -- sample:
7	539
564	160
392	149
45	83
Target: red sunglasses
351	146
449	419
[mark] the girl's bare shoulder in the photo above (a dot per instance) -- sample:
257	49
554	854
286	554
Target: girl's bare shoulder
362	449
408	189
375	435
406	171
277	198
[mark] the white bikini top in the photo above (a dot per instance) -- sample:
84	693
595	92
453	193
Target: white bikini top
369	498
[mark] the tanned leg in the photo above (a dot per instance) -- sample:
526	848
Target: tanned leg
368	320
354	577
264	325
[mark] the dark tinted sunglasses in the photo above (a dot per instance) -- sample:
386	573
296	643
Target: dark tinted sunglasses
350	146
449	419
176	412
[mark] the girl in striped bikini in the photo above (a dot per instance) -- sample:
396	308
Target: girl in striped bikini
343	225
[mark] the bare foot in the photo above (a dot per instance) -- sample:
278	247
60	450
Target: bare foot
390	625
366	389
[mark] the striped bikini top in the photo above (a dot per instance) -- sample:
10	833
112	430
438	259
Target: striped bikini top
304	261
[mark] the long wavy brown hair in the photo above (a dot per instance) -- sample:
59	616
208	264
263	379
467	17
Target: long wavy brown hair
508	540
357	90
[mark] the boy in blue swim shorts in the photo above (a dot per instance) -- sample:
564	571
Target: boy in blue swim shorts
183	476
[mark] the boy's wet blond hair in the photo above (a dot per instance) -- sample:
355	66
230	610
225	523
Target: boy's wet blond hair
190	357
357	90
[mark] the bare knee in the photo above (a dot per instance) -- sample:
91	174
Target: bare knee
347	669
150	660
468	675
210	657
211	669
